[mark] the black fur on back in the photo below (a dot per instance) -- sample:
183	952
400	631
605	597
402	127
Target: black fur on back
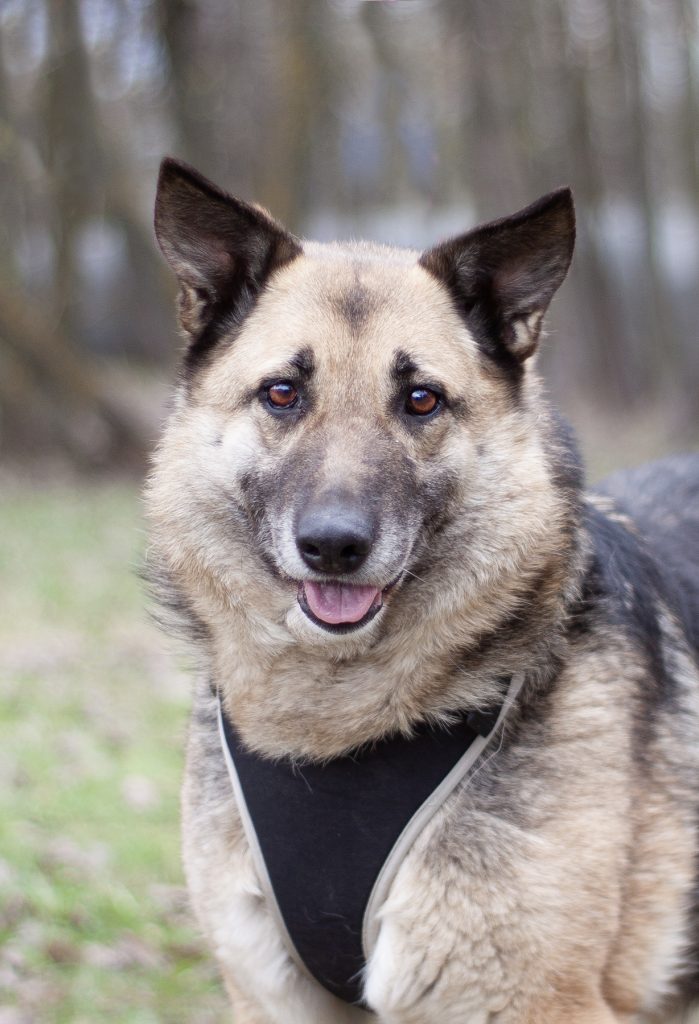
662	499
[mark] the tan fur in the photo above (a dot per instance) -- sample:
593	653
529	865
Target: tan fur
553	893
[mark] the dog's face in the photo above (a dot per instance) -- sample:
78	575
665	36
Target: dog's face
354	421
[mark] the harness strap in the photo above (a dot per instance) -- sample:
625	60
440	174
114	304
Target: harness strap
327	839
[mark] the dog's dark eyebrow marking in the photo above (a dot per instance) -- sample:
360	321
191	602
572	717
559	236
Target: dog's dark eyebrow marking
303	362
403	366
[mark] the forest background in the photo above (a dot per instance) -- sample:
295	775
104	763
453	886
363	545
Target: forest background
399	121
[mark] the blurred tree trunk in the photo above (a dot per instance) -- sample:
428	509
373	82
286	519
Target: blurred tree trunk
394	184
283	170
11	190
51	388
656	340
179	22
688	27
603	359
72	154
688	20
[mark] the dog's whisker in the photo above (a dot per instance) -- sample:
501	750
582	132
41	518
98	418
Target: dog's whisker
415	576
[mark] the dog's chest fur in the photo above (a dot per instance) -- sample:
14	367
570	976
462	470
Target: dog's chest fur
506	866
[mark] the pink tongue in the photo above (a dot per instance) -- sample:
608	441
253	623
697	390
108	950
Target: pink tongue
339	602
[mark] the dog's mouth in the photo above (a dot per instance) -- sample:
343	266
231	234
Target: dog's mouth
340	607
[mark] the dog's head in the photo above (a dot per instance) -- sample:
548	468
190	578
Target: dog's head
356	433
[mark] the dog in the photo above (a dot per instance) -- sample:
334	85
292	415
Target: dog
372	529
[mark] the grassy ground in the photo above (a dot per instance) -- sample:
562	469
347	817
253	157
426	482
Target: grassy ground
93	919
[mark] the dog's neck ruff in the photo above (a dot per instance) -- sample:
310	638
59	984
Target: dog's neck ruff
328	839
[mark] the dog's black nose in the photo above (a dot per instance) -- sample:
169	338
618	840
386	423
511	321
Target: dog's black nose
334	539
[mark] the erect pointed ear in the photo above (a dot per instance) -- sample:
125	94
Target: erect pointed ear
503	275
221	249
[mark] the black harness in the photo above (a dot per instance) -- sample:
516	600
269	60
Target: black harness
328	838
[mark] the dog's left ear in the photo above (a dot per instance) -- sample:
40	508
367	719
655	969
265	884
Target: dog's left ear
503	275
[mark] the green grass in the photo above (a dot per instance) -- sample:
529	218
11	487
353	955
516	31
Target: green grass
93	917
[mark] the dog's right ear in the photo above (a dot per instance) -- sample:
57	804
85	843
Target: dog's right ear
503	275
221	249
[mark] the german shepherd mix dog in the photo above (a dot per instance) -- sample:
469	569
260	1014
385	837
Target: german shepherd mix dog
443	765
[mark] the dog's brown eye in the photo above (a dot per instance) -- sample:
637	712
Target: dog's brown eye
421	402
282	396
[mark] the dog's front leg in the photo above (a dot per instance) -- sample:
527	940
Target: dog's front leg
593	1011
244	1012
596	1011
